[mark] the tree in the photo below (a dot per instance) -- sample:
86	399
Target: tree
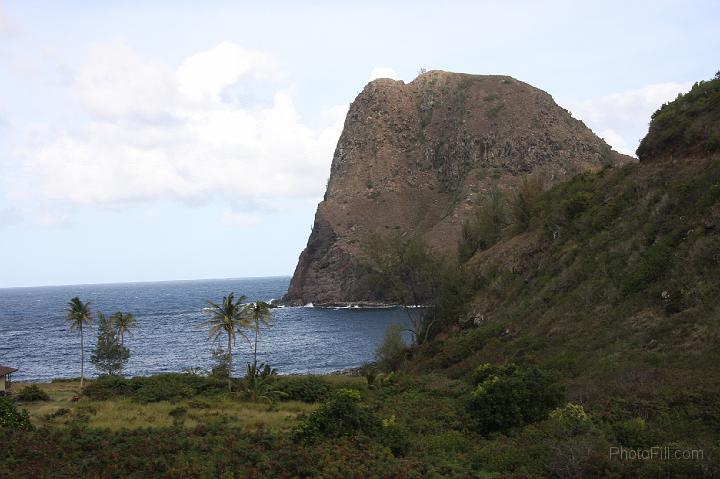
123	323
78	315
109	355
525	201
228	318
431	289
401	269
483	229
259	315
391	353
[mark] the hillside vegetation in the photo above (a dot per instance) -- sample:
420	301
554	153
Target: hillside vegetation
690	124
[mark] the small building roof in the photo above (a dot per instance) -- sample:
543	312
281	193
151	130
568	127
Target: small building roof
5	370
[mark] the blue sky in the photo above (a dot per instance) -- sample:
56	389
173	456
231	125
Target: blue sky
162	140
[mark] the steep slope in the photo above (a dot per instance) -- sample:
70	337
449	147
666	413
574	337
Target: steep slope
415	158
615	282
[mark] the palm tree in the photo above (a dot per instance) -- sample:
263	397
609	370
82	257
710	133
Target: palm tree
228	318
77	314
258	313
123	323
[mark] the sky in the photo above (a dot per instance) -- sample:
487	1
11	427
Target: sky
161	140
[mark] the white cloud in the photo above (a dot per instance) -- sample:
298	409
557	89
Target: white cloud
622	118
204	75
383	72
157	133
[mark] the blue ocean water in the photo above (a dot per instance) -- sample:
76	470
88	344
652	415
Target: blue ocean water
34	337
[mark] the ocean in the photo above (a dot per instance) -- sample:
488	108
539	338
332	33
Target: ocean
171	336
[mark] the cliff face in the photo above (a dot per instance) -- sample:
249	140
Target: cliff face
416	157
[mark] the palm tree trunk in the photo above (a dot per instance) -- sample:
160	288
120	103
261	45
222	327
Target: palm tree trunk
82	358
255	352
229	363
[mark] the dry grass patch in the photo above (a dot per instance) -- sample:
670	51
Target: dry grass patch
127	414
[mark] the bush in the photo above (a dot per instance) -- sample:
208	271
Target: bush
393	350
172	387
308	389
632	433
484	228
526	200
107	387
505	397
160	387
341	415
575	205
11	418
649	267
32	393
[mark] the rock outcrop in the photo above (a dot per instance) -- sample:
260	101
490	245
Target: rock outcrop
416	157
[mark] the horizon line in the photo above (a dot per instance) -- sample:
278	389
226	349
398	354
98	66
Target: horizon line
145	282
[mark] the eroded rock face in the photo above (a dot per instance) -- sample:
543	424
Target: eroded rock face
415	157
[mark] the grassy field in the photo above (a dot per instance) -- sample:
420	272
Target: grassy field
123	413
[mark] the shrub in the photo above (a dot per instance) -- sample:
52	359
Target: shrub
107	387
171	387
484	228
177	413
393	350
11	418
649	267
525	202
160	387
632	433
32	393
576	204
510	396
370	374
63	411
341	415
570	419
304	388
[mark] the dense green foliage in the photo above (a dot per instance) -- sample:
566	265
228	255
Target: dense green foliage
401	269
32	393
109	356
304	388
391	353
161	387
202	452
484	227
509	396
525	201
11	418
343	414
690	123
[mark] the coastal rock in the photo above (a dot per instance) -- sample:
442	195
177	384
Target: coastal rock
416	157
